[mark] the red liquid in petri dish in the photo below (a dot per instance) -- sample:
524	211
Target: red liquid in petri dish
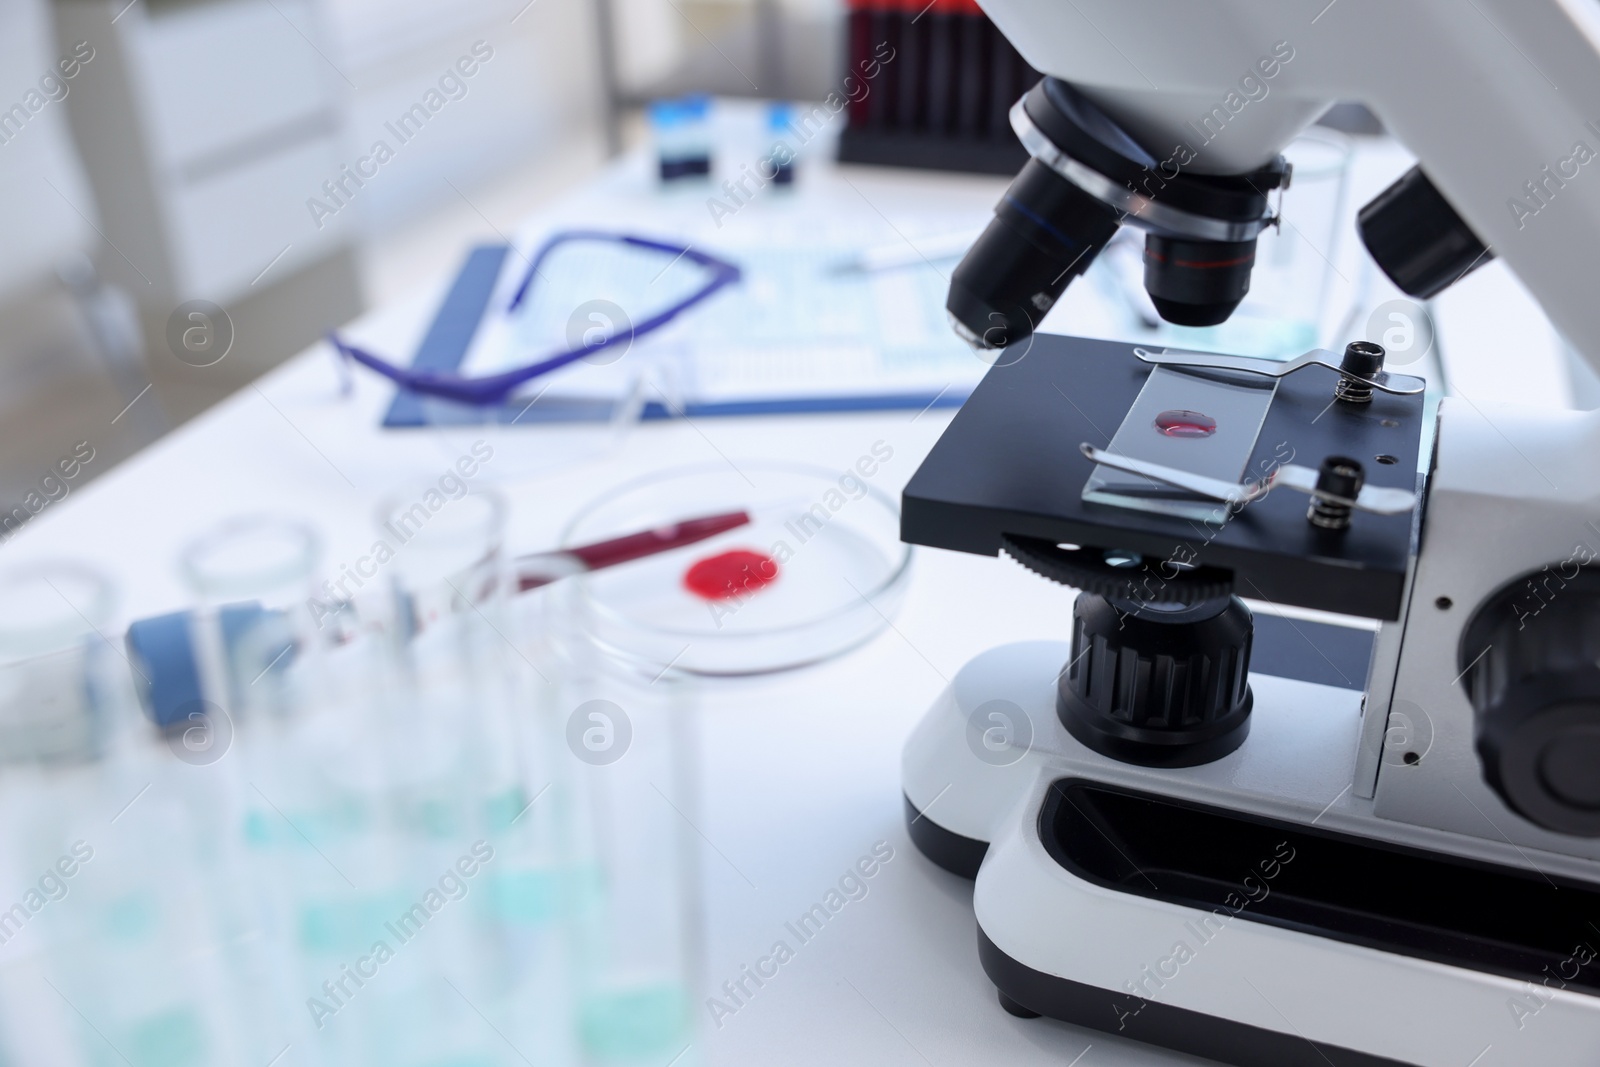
1181	423
738	572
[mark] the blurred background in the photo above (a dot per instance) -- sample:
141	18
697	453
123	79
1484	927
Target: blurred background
165	172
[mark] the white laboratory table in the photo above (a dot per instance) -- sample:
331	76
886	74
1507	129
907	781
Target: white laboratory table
800	771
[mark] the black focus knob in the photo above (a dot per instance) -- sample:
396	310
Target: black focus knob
1418	239
1163	685
1529	659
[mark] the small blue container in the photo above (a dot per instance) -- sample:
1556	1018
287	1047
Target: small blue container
781	157
682	132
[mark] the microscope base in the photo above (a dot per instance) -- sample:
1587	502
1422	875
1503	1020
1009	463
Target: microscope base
1191	1032
1251	910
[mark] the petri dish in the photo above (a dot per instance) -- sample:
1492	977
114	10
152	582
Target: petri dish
835	570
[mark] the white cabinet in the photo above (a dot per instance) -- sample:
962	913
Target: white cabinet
205	126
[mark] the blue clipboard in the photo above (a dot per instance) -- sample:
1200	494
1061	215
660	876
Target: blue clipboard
449	338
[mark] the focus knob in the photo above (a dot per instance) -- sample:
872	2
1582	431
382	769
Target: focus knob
1531	663
1418	239
1164	685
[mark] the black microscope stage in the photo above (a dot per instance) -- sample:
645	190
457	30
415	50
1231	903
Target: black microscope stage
1010	463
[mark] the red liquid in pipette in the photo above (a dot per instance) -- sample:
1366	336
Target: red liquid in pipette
1183	423
726	575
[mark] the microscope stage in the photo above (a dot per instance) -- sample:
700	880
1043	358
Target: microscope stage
1010	464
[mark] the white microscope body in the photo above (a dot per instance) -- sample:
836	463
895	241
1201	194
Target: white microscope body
1094	902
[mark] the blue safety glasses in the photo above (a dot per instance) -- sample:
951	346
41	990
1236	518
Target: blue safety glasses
495	388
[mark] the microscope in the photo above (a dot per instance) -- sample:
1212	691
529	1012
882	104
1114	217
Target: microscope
1247	835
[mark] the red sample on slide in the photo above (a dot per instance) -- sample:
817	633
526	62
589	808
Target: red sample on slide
730	574
1184	423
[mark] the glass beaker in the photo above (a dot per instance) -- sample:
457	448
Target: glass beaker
1297	286
257	613
62	685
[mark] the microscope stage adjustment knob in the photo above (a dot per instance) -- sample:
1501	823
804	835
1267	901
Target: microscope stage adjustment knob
1118	573
1162	685
1530	658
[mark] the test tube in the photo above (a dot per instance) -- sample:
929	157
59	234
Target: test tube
120	918
467	768
446	691
266	828
66	706
1003	74
941	77
972	80
636	897
912	60
886	24
859	25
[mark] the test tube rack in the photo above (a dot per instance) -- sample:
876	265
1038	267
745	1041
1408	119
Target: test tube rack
930	86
